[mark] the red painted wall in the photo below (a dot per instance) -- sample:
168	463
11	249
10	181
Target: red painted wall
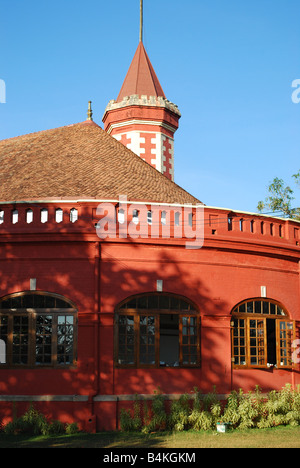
97	275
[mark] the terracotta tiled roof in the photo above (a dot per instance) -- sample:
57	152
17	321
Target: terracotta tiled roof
80	161
141	78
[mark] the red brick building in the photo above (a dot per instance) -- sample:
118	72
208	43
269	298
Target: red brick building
115	280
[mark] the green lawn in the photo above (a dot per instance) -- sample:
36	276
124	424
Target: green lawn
280	437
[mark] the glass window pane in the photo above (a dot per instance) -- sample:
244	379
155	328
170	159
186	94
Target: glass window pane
6	304
189	340
257	307
49	302
61	304
147	339
175	303
126	339
65	339
280	311
164	302
142	302
28	301
193	359
43	348
286	335
16	302
265	307
184	305
169	340
39	301
131	304
20	339
152	302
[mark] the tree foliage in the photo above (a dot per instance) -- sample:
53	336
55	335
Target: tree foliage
280	198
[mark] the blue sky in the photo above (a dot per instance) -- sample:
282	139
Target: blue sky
228	65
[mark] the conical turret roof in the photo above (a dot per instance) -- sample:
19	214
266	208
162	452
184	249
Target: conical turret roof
141	78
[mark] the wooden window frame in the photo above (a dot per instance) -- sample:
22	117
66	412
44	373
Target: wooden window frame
137	313
250	342
32	314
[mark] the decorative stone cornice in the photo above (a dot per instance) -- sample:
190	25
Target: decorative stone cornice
136	100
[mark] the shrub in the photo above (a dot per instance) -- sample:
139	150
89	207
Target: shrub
56	428
231	413
282	408
243	411
156	420
179	413
126	420
35	423
11	427
129	423
32	422
201	420
205	413
72	428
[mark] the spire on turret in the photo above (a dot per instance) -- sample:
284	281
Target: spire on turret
141	20
141	117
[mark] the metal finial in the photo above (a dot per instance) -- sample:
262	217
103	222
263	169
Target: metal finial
141	20
90	112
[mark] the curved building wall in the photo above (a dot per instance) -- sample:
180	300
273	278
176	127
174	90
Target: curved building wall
241	257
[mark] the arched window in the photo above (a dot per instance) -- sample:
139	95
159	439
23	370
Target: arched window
37	329
262	335
157	330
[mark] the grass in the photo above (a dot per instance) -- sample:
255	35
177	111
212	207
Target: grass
279	437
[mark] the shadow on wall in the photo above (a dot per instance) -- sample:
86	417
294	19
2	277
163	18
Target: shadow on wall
135	270
97	276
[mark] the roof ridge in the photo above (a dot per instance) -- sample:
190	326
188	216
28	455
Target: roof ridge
153	74
24	135
101	167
